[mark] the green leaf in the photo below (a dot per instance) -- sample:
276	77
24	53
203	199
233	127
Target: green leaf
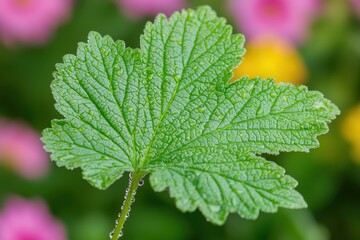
166	110
219	184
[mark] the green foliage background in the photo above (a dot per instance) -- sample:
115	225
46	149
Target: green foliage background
328	177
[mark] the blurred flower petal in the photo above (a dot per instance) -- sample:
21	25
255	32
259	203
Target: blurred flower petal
287	19
28	220
31	21
22	150
356	5
143	8
351	130
272	58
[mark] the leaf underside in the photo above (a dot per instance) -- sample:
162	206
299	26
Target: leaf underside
166	109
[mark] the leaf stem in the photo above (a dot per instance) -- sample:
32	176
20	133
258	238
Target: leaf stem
129	198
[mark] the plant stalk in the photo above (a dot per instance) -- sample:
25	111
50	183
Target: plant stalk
134	180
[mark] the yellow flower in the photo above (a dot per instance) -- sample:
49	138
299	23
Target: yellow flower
351	130
272	58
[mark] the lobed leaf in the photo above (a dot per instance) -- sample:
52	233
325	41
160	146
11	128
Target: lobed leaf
166	110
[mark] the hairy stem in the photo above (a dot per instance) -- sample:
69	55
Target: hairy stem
134	180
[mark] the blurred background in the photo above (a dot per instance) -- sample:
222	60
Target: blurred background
311	42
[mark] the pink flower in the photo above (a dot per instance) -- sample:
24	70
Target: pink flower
31	21
22	150
142	8
28	220
356	5
288	19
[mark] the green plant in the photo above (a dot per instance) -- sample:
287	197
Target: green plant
166	110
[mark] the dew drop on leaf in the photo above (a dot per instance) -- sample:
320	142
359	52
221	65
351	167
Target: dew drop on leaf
318	105
111	234
177	77
235	201
214	208
201	110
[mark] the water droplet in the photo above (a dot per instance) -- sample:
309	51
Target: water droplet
141	182
111	234
151	76
120	72
201	110
272	94
130	109
177	77
201	63
215	208
319	105
127	215
121	234
194	68
91	113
